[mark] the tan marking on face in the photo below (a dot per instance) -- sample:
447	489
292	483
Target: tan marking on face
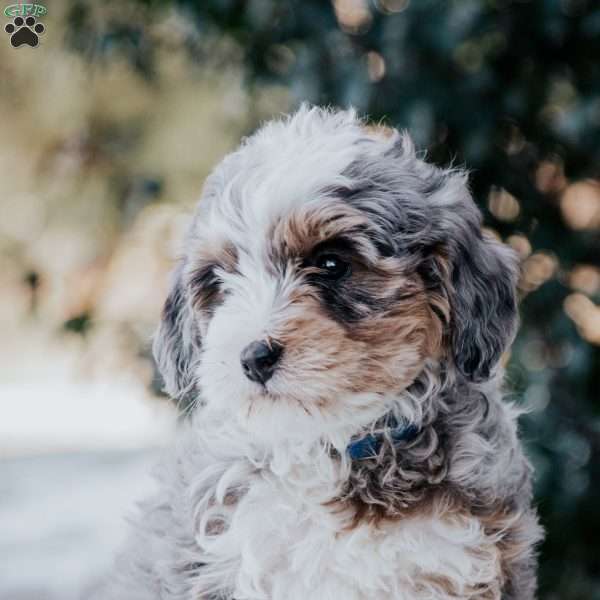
381	349
318	350
409	323
382	353
296	235
384	349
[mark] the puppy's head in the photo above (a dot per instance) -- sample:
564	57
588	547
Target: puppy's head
326	265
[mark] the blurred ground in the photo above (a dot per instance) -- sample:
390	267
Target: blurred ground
62	516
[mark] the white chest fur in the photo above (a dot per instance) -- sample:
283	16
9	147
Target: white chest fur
282	544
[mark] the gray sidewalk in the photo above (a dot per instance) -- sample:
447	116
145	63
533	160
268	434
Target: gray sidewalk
62	516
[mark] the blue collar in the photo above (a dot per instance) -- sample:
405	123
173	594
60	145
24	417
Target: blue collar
369	445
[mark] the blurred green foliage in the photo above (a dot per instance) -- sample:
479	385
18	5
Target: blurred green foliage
510	89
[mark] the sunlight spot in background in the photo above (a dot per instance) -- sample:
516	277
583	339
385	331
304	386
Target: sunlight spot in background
537	269
580	205
375	66
550	176
392	6
586	315
534	355
520	244
354	16
586	279
503	205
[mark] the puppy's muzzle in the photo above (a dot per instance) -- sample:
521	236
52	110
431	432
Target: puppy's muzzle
259	360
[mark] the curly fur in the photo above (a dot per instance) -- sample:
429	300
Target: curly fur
259	499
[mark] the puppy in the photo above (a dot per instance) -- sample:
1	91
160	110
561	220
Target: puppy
337	322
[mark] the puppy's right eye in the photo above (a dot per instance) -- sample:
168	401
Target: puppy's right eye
207	277
206	286
333	267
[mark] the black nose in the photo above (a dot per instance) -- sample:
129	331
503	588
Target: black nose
259	360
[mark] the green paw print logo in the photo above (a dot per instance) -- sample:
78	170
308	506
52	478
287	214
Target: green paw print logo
25	28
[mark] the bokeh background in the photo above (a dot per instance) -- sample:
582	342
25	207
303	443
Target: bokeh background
108	130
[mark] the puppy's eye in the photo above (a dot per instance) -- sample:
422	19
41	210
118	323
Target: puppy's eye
333	266
207	278
206	286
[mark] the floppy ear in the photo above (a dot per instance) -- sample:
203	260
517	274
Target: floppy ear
483	304
176	345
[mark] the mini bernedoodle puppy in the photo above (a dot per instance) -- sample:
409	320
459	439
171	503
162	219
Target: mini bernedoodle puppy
338	319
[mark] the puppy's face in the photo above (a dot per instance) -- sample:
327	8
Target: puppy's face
306	311
320	275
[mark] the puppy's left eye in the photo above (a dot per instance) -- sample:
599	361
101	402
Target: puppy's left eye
333	266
